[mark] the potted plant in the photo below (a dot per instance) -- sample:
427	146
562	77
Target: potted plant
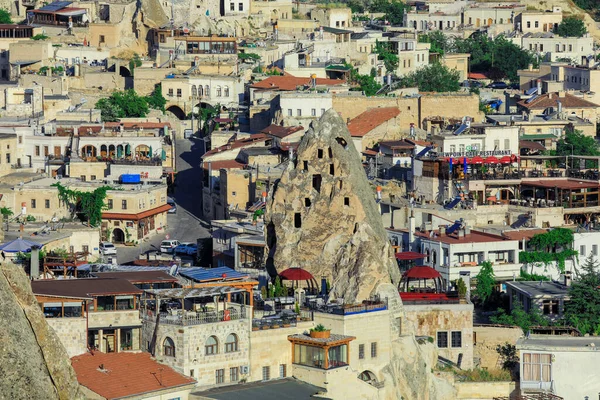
320	332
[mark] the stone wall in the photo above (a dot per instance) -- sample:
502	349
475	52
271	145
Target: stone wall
428	320
483	390
487	338
116	319
72	334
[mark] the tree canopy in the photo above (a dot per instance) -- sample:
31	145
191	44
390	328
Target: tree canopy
156	100
583	309
433	78
389	58
394	10
128	104
575	142
519	317
5	17
485	281
571	27
439	42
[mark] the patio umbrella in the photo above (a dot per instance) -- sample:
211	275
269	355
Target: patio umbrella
476	160
491	160
505	160
18	246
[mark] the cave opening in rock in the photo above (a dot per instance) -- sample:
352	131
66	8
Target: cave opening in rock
330	153
320	153
307	202
341	141
331	170
297	220
347	201
305	164
316	182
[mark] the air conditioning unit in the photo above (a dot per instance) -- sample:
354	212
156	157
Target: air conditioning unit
244	370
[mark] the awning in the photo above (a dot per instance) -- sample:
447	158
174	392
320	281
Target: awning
183	293
476	160
409	255
71	13
492	160
138	216
505	160
421	272
296	274
26	62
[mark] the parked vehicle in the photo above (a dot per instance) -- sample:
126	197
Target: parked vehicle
188	248
107	249
168	246
173	209
497	85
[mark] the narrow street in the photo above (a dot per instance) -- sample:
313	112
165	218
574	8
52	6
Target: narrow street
185	225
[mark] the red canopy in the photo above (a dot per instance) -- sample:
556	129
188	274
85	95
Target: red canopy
505	160
421	272
455	160
491	160
296	274
476	160
410	255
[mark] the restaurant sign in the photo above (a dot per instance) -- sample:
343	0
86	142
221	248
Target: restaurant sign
473	153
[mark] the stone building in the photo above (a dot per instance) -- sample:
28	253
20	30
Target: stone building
373	126
8	151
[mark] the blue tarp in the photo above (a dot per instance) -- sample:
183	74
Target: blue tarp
18	246
206	274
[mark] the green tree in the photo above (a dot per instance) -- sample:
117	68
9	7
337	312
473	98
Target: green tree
581	144
485	281
571	27
440	43
389	58
248	56
135	62
5	17
433	78
395	12
127	104
6	213
156	100
519	317
583	308
356	6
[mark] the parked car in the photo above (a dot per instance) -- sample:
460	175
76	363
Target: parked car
516	86
188	248
168	246
497	85
107	249
173	209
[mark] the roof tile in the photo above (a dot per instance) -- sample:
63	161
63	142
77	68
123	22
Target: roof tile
551	100
289	82
371	119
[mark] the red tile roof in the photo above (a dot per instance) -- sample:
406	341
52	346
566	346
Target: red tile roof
477	75
137	216
473	237
223	164
289	82
397	144
236	144
551	100
371	119
125	374
566	184
281	131
523	234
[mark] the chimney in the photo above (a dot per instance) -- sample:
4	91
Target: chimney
561	94
568	278
559	107
539	86
461	233
467	230
442	229
412	226
466	277
34	270
550	95
530	67
389	80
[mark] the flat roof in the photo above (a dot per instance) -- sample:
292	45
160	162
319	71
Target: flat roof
83	288
453	238
139	276
184	293
333	339
539	288
280	389
553	343
567	184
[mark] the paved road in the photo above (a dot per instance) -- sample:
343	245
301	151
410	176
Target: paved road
186	225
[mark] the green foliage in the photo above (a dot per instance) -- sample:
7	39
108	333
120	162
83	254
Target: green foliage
248	56
526	276
548	248
583	308
39	36
389	58
366	83
554	238
484	375
519	317
91	204
6	212
135	62
126	104
297	308
257	214
279	290
319	328
510	357
433	78
545	258
461	286
571	27
156	99
394	10
5	17
485	281
356	6
30	218
581	144
439	42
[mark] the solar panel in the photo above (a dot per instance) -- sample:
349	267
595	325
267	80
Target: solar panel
461	129
57	5
451	205
531	91
521	221
532	98
454	227
206	274
424	151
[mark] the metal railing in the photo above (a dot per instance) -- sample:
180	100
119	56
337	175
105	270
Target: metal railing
273	323
189	318
371	305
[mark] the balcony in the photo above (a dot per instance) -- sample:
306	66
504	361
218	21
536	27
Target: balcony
190	318
372	305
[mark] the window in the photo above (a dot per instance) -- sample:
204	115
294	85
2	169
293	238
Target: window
32	203
110	204
282	370
219	91
241	6
582	251
85	248
496	144
82	177
226	91
550	307
347	201
299	112
93	177
194	91
212	346
178	92
45	150
170	92
537	24
8	158
361	351
37	150
594	249
169	347
124	204
289	112
442	340
457	339
207	91
234	375
20	139
506	144
373	349
231	344
313	112
266	373
231	6
528	24
47	203
537	367
220	376
297	220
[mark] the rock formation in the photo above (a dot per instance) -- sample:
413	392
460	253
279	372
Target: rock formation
322	216
33	362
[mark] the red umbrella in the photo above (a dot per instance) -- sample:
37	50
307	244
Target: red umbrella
505	160
476	160
296	274
491	160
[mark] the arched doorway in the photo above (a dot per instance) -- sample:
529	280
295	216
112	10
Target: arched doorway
177	112
111	151
367	376
118	236
142	151
89	151
120	151
103	151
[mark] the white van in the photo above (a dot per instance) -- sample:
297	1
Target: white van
168	246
